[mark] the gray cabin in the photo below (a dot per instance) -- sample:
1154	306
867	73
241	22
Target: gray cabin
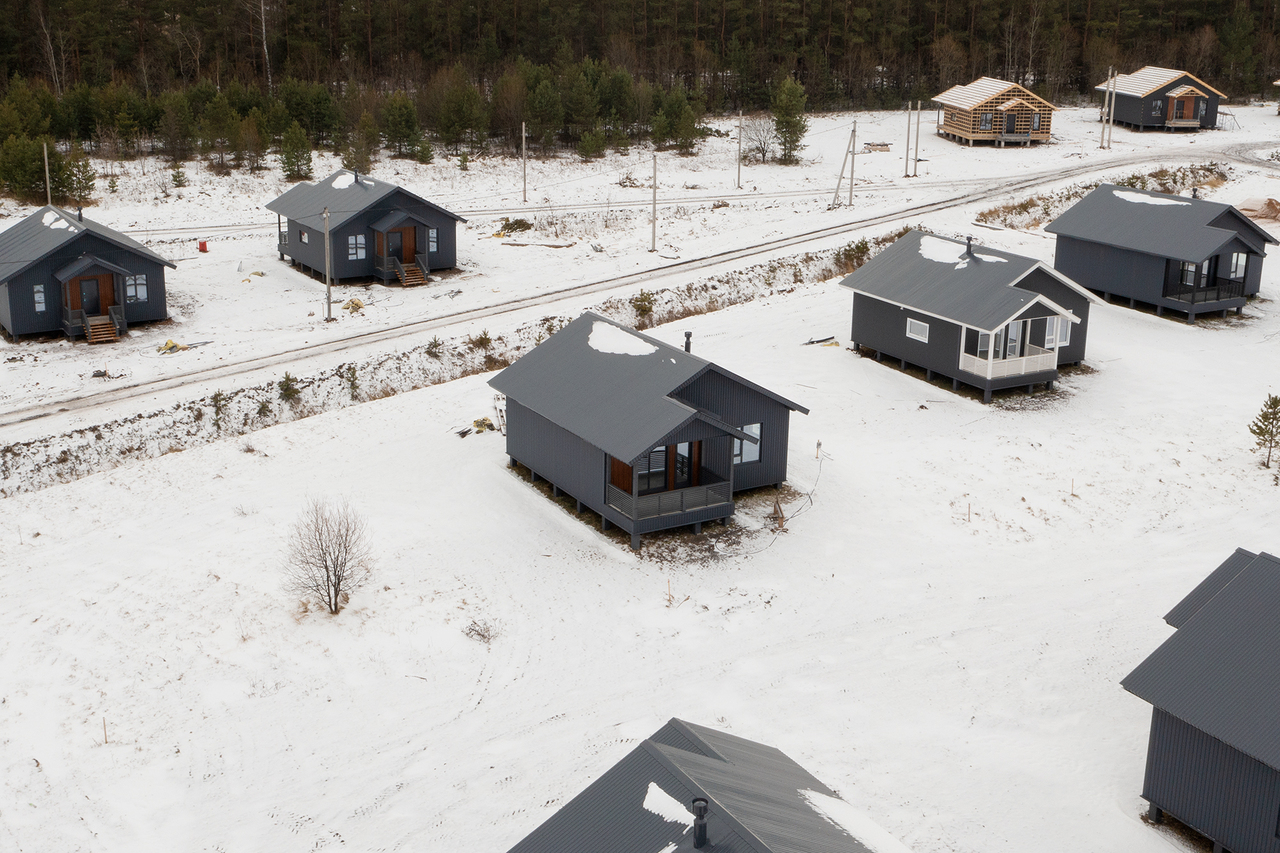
1179	254
62	272
645	434
689	787
1213	757
376	229
1164	98
977	316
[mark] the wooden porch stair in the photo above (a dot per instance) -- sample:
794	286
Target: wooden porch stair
100	330
410	275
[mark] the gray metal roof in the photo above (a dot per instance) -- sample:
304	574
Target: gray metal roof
934	275
345	193
49	229
617	402
1209	587
755	796
1154	223
1220	672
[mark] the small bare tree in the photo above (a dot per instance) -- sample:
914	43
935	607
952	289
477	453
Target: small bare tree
758	137
329	554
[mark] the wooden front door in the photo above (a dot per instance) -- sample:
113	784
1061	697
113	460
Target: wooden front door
1010	123
93	294
409	243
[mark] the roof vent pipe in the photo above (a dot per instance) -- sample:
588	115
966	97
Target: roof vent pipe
357	174
699	822
1195	192
79	214
688	341
968	247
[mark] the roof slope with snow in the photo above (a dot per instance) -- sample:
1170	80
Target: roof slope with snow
1221	671
1158	224
938	276
759	801
51	228
345	193
1151	78
972	95
611	386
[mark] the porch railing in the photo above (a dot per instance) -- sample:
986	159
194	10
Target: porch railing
421	260
397	266
75	323
382	263
667	503
1037	360
1182	122
1224	288
116	313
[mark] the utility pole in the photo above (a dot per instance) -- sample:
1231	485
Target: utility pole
48	190
853	153
915	169
524	164
740	150
653	237
906	157
1111	113
1106	102
848	155
328	278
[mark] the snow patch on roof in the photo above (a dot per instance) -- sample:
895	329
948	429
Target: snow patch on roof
1139	198
342	180
660	802
52	220
947	252
854	822
606	337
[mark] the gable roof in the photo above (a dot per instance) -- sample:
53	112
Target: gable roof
1220	672
936	276
611	386
1209	587
1167	226
33	239
1152	78
759	801
983	89
345	193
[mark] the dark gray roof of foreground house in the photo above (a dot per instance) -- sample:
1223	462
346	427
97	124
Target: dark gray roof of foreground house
1220	672
759	801
345	193
28	242
936	275
1209	587
611	386
1154	223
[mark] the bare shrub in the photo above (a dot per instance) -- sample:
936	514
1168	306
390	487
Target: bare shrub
329	555
482	630
758	138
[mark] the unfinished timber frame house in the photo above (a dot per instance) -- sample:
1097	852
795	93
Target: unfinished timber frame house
991	110
645	434
376	229
980	317
1164	98
62	272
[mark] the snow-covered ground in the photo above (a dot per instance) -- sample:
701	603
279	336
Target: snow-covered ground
938	634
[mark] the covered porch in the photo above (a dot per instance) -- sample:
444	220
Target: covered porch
1201	288
1021	352
402	243
1185	106
92	299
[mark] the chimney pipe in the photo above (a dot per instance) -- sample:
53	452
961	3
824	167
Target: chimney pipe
688	341
79	214
699	822
1195	192
968	247
357	174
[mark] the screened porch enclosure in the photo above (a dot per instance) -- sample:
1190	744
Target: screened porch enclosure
1018	348
673	478
1216	279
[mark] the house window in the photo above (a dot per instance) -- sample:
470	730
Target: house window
984	121
1189	271
37	295
1057	332
918	331
1035	121
135	288
984	345
1239	260
652	470
302	237
745	451
433	242
1204	107
355	247
284	238
1157	106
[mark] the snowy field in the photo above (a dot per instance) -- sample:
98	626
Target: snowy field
939	633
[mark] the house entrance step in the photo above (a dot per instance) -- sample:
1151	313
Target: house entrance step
100	330
411	276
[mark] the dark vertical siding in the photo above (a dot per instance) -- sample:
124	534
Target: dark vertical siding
1111	270
1039	281
6	316
311	253
1130	109
557	454
739	405
1204	783
883	327
155	308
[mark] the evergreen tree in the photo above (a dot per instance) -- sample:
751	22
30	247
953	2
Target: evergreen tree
400	123
1266	427
295	154
546	113
252	145
580	107
218	126
789	121
80	175
176	127
364	145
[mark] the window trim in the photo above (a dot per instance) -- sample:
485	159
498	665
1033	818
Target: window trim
356	247
138	284
918	335
433	240
984	121
1244	266
1035	122
39	298
302	236
744	452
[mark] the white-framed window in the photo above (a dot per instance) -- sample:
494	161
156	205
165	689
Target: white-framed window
1057	332
1157	106
1239	262
917	330
745	451
1204	107
984	345
37	296
302	236
355	247
284	238
984	121
433	240
1035	121
135	288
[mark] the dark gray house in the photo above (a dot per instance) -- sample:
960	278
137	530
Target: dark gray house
645	434
376	229
1164	98
1213	759
979	317
1181	254
689	787
62	272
